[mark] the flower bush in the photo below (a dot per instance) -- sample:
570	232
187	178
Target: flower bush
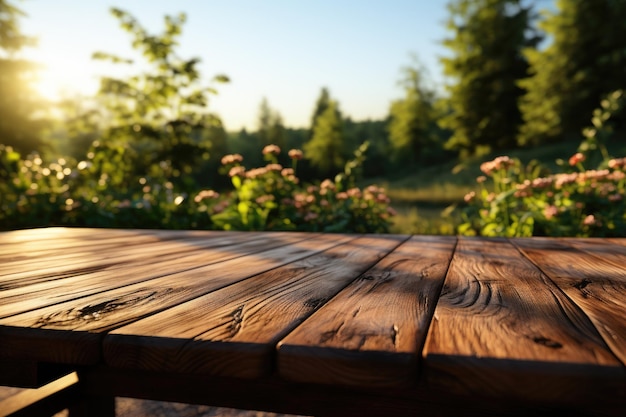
34	193
580	201
272	198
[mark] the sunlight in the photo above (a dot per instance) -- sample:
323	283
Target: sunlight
56	81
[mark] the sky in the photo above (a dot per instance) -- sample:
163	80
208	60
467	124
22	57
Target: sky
283	50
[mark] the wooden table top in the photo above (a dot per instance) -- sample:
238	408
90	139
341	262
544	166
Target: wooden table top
533	318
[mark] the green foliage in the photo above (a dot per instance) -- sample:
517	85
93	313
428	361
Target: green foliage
526	200
20	127
584	61
327	148
485	67
412	120
157	122
34	193
322	103
272	198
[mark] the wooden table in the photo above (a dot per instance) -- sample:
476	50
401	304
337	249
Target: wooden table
316	324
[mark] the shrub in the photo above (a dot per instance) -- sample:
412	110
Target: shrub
272	198
579	201
70	193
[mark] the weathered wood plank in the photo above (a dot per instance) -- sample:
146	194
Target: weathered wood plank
593	275
54	267
71	332
142	268
503	329
26	257
234	331
371	333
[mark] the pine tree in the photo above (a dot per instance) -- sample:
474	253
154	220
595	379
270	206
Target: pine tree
485	67
321	105
584	61
411	119
327	149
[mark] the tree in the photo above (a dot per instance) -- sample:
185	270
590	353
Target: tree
158	120
19	125
485	67
270	126
411	119
584	61
322	103
327	149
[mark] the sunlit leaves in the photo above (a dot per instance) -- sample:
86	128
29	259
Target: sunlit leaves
160	111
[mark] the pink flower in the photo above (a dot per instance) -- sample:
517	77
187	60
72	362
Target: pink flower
231	159
274	167
273	149
205	194
327	184
501	162
590	220
576	159
550	211
287	172
295	154
253	173
469	197
237	171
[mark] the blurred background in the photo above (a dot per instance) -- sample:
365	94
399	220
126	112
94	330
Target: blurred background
122	117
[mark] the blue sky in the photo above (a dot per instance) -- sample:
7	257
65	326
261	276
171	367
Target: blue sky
284	50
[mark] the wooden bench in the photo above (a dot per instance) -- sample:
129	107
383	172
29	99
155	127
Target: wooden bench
313	324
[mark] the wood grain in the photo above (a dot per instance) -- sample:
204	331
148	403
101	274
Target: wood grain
142	268
59	265
593	275
234	331
503	329
372	332
71	332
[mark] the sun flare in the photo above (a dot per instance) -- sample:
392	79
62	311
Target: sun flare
54	83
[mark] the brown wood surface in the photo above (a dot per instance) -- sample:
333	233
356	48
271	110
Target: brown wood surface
131	249
502	328
234	331
315	323
147	266
594	276
71	332
372	332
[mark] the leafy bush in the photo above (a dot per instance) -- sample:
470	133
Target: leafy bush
272	198
70	193
579	201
